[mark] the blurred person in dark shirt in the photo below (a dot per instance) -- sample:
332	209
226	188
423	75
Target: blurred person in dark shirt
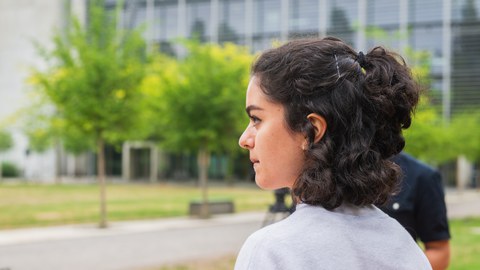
420	208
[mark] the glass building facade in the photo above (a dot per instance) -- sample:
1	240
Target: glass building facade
448	29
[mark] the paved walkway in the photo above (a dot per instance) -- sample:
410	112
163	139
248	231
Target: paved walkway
21	236
462	204
142	244
125	245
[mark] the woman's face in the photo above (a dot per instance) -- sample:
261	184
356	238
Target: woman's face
275	151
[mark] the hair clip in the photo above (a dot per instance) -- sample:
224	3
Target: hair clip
336	62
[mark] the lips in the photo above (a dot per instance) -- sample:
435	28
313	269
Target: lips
255	162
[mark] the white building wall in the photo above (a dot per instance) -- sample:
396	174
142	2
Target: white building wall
21	23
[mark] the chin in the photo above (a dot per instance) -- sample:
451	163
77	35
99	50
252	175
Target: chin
267	185
261	183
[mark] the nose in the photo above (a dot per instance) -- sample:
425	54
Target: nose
247	140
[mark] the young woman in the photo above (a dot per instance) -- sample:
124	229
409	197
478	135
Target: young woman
324	122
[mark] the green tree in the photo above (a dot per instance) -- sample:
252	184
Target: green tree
464	137
6	142
199	102
427	134
92	83
464	134
427	138
433	139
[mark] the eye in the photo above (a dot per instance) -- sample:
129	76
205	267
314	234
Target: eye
255	120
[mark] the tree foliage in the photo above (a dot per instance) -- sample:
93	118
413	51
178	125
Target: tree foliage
431	137
92	84
93	78
199	100
6	141
427	135
464	134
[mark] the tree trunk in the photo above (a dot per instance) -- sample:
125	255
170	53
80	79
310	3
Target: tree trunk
477	176
229	172
101	181
58	162
203	163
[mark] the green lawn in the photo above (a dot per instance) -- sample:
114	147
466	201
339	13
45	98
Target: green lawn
465	244
33	205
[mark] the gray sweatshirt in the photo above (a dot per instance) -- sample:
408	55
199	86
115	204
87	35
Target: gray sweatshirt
348	237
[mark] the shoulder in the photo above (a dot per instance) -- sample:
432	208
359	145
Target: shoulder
415	169
406	161
271	246
263	249
313	236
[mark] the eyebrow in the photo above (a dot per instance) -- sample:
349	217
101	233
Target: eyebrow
252	108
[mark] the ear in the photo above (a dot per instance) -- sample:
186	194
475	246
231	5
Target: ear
319	124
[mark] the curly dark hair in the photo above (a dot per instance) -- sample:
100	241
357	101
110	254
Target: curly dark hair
365	102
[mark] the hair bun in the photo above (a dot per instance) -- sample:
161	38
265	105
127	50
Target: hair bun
389	84
361	59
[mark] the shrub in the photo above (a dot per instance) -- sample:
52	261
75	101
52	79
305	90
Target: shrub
9	169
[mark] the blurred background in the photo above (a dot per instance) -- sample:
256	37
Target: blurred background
439	38
147	96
